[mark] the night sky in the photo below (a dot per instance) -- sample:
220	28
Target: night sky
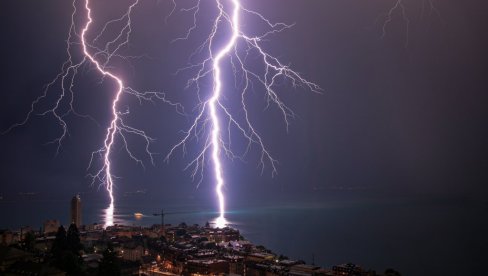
393	121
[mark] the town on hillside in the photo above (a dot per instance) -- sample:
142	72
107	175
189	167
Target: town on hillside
162	249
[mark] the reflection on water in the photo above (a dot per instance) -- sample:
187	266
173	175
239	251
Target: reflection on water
332	232
109	215
112	216
220	222
115	216
138	214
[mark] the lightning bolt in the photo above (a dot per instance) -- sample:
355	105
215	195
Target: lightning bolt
106	170
237	50
99	58
400	7
217	84
240	52
117	125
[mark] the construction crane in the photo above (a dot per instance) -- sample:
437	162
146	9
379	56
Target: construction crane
162	214
162	217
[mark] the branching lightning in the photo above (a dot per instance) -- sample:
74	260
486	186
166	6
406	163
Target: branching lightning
253	68
100	58
236	50
399	7
117	125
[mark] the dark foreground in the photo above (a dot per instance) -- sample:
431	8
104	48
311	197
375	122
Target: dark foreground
156	250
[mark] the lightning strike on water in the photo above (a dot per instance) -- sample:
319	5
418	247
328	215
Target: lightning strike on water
100	58
106	170
117	125
213	111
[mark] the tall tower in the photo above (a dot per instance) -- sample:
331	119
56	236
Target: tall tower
76	210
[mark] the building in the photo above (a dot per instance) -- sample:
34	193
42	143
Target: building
303	269
76	211
350	270
206	267
132	252
51	226
7	237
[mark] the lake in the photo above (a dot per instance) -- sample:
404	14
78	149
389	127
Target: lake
416	236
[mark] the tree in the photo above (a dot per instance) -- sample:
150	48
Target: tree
29	241
71	263
392	272
282	257
64	257
180	232
73	239
183	225
110	265
59	244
